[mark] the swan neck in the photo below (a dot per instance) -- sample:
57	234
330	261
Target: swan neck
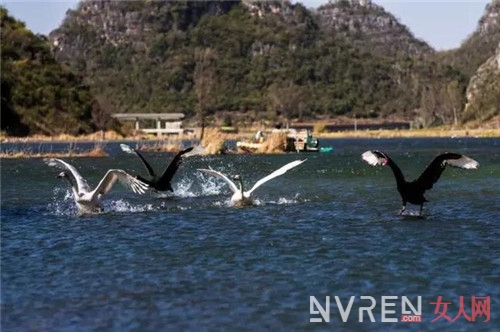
400	179
241	185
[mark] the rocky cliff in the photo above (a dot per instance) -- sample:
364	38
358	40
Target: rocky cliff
370	27
479	59
480	45
483	92
95	23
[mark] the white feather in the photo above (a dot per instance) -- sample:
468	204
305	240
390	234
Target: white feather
197	151
126	148
282	170
372	159
230	183
463	162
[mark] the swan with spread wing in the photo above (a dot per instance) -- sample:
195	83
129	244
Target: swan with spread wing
86	199
242	197
158	183
413	192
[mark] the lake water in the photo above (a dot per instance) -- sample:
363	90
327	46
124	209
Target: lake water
189	261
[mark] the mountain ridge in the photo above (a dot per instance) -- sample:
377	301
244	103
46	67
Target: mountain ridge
271	61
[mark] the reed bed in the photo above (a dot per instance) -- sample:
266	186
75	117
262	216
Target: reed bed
160	146
274	143
213	141
97	151
411	133
96	136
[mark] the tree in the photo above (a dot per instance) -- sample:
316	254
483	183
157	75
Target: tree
287	99
102	108
452	98
38	94
204	78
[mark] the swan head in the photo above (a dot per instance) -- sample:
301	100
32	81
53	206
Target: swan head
237	178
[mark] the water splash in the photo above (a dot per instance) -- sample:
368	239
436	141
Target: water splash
124	206
286	201
201	186
62	202
409	212
183	188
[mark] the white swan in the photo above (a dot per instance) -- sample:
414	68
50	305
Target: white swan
87	200
242	197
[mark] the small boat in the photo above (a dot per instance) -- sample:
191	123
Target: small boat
326	149
302	141
296	141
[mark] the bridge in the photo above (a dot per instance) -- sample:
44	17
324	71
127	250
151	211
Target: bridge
172	122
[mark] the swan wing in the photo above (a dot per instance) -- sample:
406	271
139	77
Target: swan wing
173	166
438	164
375	157
128	149
274	174
197	150
113	175
230	183
82	185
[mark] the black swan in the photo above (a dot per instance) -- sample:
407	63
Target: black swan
413	192
161	183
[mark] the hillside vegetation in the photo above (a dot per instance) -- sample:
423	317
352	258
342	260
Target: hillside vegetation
245	61
38	94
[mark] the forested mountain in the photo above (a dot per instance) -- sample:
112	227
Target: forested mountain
479	59
249	60
480	45
38	94
483	92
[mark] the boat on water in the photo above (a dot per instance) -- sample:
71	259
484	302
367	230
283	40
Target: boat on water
296	141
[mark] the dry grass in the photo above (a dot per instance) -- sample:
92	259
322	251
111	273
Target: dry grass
97	151
434	132
319	127
97	136
274	143
213	141
161	146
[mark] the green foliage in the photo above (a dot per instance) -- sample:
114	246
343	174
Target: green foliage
153	70
141	56
38	94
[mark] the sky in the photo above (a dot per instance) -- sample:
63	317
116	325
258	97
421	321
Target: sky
444	24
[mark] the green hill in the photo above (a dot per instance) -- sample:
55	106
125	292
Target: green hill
38	94
246	60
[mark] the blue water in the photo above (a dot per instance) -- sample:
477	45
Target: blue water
189	261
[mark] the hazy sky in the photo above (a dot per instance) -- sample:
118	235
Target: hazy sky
443	24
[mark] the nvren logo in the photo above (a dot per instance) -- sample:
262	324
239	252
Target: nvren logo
415	315
480	307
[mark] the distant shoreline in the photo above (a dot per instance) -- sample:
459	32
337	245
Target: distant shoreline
247	134
174	144
414	133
